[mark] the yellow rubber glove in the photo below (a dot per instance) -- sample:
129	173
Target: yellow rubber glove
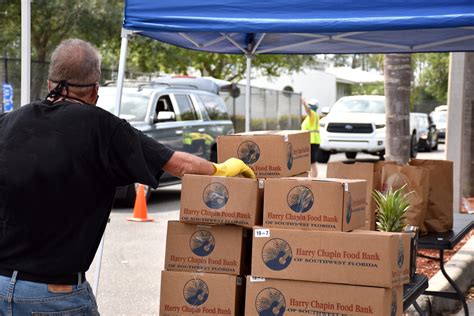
233	167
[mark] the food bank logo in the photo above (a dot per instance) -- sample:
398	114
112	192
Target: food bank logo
300	199
215	195
202	243
277	254
270	302
248	152
393	311
196	292
401	254
289	156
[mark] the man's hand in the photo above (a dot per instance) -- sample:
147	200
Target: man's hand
303	101
233	167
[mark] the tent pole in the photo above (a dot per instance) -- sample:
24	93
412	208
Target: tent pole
121	71
247	94
25	51
455	129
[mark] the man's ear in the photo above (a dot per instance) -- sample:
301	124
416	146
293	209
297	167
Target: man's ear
95	91
49	85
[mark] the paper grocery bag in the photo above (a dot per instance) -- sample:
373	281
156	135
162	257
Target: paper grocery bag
417	181
369	171
439	214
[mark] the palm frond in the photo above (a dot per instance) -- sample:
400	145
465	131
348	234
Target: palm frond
392	207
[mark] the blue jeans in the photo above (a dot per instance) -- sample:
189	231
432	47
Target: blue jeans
18	298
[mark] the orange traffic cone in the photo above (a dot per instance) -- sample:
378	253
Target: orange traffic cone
140	210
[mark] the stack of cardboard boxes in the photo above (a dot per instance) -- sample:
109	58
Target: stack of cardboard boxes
206	259
303	260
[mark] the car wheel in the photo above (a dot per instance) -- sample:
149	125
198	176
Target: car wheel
323	156
413	146
129	200
351	154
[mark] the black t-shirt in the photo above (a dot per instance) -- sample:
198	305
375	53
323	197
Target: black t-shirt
59	166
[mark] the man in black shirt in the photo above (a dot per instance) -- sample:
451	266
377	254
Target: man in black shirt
60	161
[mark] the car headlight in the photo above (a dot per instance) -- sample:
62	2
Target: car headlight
379	126
322	124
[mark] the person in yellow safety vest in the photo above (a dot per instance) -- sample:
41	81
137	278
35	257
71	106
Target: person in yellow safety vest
311	123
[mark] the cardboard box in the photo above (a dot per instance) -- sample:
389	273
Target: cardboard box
369	171
221	200
271	154
284	297
214	249
188	293
314	204
359	258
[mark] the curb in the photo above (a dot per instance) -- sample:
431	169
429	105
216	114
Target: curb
461	269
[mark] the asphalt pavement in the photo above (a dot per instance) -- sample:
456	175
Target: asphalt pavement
133	253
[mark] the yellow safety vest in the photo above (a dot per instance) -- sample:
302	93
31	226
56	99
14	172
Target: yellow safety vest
314	129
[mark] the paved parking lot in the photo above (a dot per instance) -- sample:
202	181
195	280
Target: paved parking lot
133	254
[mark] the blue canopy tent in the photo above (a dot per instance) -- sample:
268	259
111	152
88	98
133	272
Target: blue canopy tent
254	27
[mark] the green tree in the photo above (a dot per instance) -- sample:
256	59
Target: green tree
432	72
53	21
147	55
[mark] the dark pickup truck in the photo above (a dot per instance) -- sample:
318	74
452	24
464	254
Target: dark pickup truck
186	114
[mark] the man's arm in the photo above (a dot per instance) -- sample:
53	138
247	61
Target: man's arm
308	110
183	163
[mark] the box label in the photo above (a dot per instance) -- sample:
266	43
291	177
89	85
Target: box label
257	279
262	232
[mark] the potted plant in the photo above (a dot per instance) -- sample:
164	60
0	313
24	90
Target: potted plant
391	209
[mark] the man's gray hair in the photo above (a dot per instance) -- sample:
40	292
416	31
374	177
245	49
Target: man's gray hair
76	61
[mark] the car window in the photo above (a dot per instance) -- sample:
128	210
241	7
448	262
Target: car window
215	107
422	121
358	106
133	106
164	104
186	108
439	117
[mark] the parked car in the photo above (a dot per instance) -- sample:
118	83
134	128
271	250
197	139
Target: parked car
440	118
186	114
357	124
426	131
